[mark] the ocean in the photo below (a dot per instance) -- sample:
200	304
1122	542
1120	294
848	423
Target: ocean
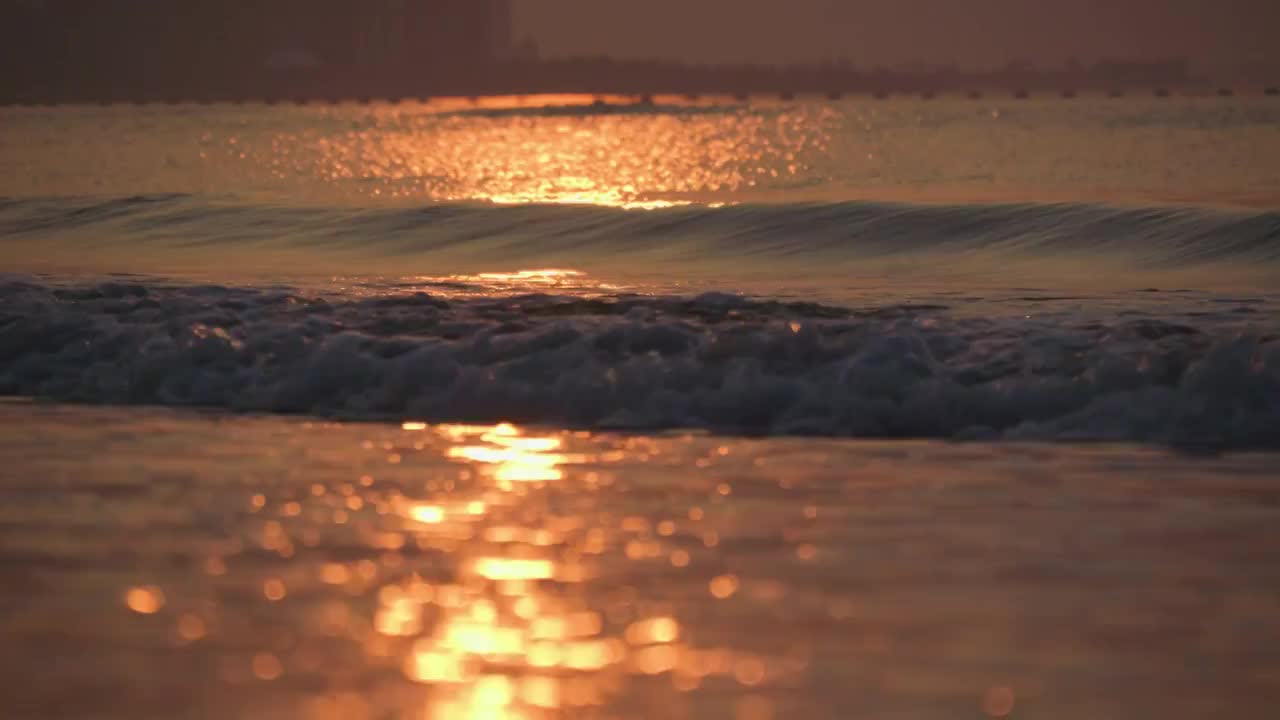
537	407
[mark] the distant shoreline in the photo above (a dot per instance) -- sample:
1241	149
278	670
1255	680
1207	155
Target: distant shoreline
617	100
47	85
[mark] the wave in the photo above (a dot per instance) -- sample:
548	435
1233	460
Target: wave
715	361
829	237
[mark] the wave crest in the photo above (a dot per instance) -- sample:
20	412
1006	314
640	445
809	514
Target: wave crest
834	237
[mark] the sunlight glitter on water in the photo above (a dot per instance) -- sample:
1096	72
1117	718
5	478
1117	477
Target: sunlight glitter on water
565	151
542	276
511	633
481	285
605	198
297	571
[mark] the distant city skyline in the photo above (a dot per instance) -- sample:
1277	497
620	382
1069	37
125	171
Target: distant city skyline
975	33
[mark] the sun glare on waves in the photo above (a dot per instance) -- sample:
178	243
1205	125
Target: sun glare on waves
486	284
544	276
607	198
565	150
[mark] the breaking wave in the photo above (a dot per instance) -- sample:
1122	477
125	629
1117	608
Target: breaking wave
716	361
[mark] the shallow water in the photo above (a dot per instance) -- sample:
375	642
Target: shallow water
258	567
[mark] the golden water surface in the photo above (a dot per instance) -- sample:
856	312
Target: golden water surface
166	565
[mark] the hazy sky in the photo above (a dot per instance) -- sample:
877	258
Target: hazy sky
867	32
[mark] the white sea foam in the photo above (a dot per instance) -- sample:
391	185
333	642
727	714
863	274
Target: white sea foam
715	361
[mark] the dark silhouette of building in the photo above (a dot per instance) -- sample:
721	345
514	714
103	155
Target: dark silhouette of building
145	49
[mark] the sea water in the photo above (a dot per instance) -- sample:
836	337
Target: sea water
529	407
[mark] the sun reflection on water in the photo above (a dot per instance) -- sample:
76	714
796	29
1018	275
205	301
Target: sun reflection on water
495	285
609	198
507	621
511	634
549	276
610	152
